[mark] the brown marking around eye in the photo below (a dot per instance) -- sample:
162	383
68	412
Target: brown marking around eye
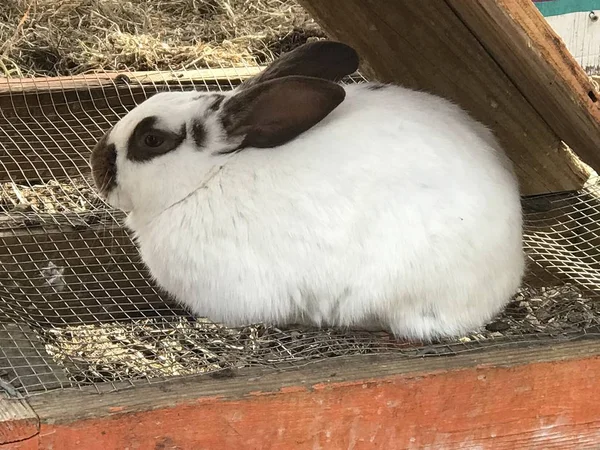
138	151
376	86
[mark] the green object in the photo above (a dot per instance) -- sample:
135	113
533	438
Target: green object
559	7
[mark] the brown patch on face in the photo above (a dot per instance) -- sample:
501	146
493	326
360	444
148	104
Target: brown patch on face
217	99
147	142
376	86
104	165
198	133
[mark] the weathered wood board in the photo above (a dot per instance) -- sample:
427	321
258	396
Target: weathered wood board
18	422
537	61
142	78
29	363
525	398
498	59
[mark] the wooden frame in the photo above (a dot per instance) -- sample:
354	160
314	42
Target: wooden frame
110	78
525	398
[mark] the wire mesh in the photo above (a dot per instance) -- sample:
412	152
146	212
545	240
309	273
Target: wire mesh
77	307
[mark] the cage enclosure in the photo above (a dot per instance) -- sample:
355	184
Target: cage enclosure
81	317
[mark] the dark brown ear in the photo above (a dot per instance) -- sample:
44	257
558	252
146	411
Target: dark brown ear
327	60
275	112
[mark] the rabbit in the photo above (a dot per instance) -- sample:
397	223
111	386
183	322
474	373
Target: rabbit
294	199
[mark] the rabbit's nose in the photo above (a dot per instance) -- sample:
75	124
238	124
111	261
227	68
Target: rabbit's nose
104	165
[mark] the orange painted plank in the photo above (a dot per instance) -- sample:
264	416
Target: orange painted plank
27	444
546	405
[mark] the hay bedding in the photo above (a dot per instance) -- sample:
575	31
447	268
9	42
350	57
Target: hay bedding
154	348
76	196
65	37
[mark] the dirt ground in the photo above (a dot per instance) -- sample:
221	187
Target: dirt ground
64	37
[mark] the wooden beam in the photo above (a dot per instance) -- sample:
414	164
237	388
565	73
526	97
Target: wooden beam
525	397
425	45
99	79
536	60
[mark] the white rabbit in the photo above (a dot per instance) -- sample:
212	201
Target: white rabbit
293	199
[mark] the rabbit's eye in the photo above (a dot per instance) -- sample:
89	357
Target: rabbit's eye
153	140
147	141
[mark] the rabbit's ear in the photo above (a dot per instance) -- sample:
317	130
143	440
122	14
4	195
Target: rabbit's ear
327	60
275	112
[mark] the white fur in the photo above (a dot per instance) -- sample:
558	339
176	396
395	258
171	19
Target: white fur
397	209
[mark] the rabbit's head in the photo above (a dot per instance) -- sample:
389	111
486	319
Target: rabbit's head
163	149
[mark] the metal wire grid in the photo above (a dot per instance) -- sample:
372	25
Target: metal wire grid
77	307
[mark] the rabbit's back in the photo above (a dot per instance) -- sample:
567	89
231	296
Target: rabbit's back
397	208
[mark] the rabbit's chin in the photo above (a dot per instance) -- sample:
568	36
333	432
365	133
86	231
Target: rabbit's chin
119	200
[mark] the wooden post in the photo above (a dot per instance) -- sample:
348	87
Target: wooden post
111	78
496	58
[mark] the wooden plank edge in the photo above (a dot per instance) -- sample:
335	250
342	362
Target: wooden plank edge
18	422
100	79
566	98
511	398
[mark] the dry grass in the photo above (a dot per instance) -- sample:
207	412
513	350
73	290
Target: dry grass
52	197
62	37
155	348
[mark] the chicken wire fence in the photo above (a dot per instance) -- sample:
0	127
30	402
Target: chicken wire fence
77	306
